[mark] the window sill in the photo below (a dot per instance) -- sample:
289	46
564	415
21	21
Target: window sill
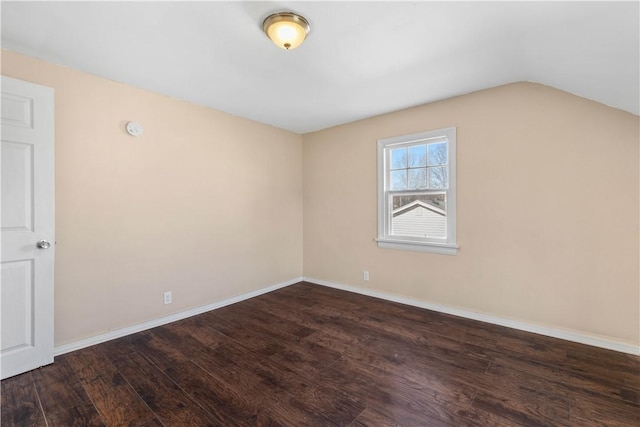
404	245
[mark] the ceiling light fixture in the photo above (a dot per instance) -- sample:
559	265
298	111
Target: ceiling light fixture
286	29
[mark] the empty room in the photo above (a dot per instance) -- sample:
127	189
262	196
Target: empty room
320	213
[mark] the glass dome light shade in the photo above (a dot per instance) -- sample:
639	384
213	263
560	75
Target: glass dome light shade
287	30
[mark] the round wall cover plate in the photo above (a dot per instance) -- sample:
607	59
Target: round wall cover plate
134	129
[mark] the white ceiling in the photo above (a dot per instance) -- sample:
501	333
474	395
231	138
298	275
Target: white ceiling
360	59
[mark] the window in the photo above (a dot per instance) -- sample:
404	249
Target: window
417	192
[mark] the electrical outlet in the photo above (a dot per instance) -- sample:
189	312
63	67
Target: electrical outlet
167	298
365	276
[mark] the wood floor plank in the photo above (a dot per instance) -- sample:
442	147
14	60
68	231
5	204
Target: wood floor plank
391	394
516	343
292	298
378	325
373	417
441	353
144	342
308	318
281	379
20	405
58	386
604	367
220	400
599	413
171	405
340	408
226	369
345	329
307	356
337	344
254	340
242	314
268	386
113	397
290	412
525	392
516	411
243	380
419	375
82	415
121	347
569	382
184	343
200	328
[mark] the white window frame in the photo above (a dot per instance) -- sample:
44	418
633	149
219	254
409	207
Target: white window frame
447	246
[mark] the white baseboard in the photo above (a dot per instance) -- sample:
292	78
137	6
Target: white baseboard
579	337
575	336
117	333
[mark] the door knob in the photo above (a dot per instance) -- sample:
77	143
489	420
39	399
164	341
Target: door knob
43	244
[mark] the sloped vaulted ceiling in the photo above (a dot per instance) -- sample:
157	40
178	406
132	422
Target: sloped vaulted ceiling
361	58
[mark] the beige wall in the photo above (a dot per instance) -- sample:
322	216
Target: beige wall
548	217
210	206
204	204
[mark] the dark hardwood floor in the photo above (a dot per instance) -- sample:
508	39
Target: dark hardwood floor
310	355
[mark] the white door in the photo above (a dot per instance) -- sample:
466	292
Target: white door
26	282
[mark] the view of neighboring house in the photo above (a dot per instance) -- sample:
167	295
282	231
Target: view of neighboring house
419	219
